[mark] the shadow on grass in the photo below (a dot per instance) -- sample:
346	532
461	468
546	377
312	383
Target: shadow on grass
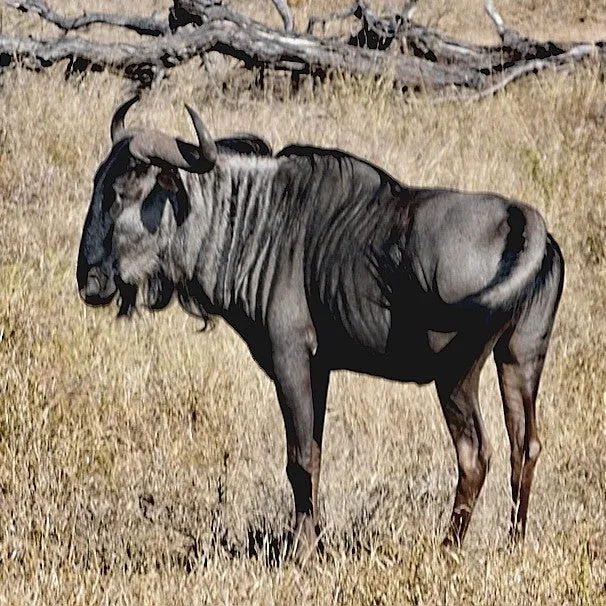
273	549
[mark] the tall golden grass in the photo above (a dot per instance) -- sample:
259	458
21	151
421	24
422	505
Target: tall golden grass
142	462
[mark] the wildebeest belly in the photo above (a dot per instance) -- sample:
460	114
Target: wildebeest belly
391	345
411	341
410	360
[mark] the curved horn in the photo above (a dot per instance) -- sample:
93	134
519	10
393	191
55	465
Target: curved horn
117	125
208	149
157	148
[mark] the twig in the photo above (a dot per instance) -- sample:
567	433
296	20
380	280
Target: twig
147	26
338	16
536	65
496	18
376	33
284	11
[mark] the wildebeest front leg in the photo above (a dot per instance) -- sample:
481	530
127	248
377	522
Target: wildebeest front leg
319	384
295	388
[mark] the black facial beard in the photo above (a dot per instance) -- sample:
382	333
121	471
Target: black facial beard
194	302
159	292
127	298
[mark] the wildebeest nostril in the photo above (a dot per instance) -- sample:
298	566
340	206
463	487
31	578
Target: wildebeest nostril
97	288
93	285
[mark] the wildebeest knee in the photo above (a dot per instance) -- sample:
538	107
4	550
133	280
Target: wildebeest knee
474	460
533	450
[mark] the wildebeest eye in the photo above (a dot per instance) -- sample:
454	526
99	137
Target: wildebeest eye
109	196
116	208
140	169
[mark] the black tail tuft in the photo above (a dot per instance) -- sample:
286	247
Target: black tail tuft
552	269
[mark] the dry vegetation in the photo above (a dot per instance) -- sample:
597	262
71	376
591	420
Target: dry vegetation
142	462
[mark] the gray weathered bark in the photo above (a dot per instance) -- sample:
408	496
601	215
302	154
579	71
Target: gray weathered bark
146	26
393	47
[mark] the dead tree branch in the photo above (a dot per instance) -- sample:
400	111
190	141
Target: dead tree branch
146	26
376	32
533	66
255	45
390	47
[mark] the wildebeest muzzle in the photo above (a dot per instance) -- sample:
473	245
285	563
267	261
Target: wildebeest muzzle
96	286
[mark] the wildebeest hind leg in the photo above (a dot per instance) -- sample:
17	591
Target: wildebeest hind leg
518	385
459	400
520	355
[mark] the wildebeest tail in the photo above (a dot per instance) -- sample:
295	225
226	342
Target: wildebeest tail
523	260
544	292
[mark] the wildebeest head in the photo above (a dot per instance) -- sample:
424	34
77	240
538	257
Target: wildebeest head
122	243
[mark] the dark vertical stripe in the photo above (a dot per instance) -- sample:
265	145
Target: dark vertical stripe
514	246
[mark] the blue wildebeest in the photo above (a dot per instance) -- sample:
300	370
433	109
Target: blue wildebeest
322	261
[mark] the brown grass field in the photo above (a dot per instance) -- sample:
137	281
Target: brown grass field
142	462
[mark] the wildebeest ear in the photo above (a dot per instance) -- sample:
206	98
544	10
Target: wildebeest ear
179	200
169	180
168	186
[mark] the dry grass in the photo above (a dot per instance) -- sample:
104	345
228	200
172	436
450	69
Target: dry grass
142	462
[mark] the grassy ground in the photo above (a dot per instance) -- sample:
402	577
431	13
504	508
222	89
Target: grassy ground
142	462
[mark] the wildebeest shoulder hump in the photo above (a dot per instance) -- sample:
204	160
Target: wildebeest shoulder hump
244	143
312	152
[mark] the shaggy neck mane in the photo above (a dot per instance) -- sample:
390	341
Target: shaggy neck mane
225	241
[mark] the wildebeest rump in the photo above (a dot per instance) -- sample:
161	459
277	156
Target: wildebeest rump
322	261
